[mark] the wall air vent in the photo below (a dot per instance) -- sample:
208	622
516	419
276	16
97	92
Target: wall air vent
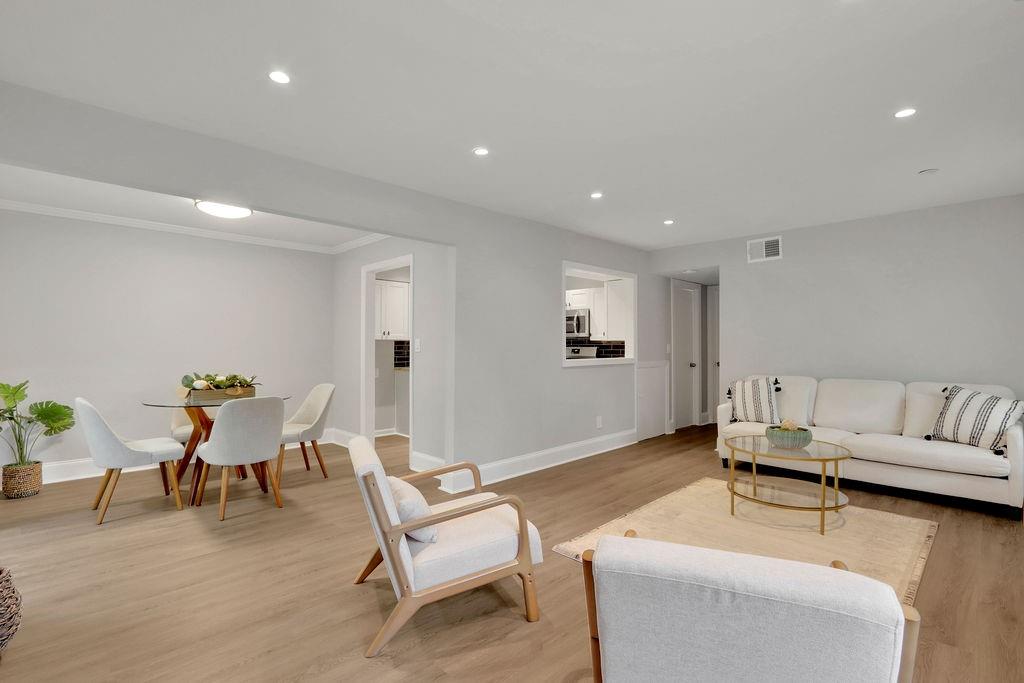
764	249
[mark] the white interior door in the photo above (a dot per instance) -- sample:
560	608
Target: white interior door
713	392
686	351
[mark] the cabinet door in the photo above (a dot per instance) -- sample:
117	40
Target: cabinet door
396	310
599	315
618	309
379	316
577	298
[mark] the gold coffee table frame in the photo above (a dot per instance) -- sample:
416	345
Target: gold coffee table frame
822	452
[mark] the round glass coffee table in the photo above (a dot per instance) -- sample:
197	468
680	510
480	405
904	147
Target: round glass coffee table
789	494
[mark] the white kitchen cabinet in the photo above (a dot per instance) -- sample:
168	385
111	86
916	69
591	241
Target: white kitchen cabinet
620	309
578	298
392	310
599	314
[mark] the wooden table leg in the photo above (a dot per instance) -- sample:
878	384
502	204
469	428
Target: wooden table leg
260	472
202	426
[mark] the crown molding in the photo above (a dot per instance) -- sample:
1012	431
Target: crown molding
144	224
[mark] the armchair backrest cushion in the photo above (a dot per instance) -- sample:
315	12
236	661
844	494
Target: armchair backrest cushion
246	430
667	612
925	400
796	400
313	410
365	461
864	406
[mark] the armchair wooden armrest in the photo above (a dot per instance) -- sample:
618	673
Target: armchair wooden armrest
437	471
911	631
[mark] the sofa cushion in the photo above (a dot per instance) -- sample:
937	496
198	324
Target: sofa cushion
976	418
925	400
796	400
753	400
860	405
828	434
932	455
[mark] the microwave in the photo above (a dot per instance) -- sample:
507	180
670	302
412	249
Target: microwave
577	323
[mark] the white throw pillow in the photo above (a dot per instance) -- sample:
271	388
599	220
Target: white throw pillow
976	418
753	400
412	506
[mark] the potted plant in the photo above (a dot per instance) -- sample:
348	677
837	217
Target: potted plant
24	477
213	386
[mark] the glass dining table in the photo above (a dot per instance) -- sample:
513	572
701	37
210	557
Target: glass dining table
202	426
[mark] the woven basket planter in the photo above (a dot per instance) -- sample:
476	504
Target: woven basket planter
788	438
22	481
10	609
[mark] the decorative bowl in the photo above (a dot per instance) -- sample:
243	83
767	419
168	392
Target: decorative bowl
788	438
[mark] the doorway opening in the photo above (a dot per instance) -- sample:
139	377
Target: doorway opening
695	360
387	358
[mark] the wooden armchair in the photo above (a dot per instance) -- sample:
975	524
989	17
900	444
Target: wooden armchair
663	611
482	537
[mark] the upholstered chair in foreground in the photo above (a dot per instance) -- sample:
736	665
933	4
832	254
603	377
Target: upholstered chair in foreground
247	432
113	453
667	612
307	424
477	539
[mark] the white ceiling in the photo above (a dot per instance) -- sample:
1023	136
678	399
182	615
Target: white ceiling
732	118
38	192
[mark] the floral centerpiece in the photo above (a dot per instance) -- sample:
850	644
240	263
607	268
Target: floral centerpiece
21	431
788	435
214	386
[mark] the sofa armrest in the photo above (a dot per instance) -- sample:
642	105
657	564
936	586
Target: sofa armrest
1015	456
724	415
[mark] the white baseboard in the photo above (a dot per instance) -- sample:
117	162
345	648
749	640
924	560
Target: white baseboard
704	418
670	427
519	465
385	432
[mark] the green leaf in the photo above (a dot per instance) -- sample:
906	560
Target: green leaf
187	381
13	395
55	417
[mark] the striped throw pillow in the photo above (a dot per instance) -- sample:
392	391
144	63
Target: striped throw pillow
976	419
753	400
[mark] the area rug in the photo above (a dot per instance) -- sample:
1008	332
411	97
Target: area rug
889	547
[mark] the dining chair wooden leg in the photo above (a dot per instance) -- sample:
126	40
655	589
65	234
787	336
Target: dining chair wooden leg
103	487
530	596
259	471
403	612
202	484
319	458
280	463
370	566
163	477
224	478
305	455
193	488
274	485
110	494
169	467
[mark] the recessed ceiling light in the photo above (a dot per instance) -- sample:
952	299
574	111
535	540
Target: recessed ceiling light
668	221
904	113
927	171
481	151
222	210
280	77
596	195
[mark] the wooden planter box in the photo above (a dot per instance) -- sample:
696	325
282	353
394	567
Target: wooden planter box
221	394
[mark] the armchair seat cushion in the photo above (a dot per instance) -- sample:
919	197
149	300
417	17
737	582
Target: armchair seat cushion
946	456
181	434
160	449
470	544
293	432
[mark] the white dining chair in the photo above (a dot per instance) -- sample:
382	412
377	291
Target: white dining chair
113	453
247	432
181	424
307	424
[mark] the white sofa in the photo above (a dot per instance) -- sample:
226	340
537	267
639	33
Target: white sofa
883	423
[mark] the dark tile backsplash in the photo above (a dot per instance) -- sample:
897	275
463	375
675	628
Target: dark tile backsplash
605	349
401	353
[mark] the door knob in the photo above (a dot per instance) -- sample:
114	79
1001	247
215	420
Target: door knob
717	364
693	365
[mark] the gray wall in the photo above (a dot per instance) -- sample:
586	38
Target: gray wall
922	295
511	395
117	315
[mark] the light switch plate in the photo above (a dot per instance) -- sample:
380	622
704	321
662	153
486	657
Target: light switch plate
416	345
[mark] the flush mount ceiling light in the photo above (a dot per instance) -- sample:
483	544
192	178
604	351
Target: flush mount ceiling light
927	171
904	113
222	210
481	151
596	195
280	77
668	221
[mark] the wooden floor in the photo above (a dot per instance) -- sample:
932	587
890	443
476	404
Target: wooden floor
267	595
